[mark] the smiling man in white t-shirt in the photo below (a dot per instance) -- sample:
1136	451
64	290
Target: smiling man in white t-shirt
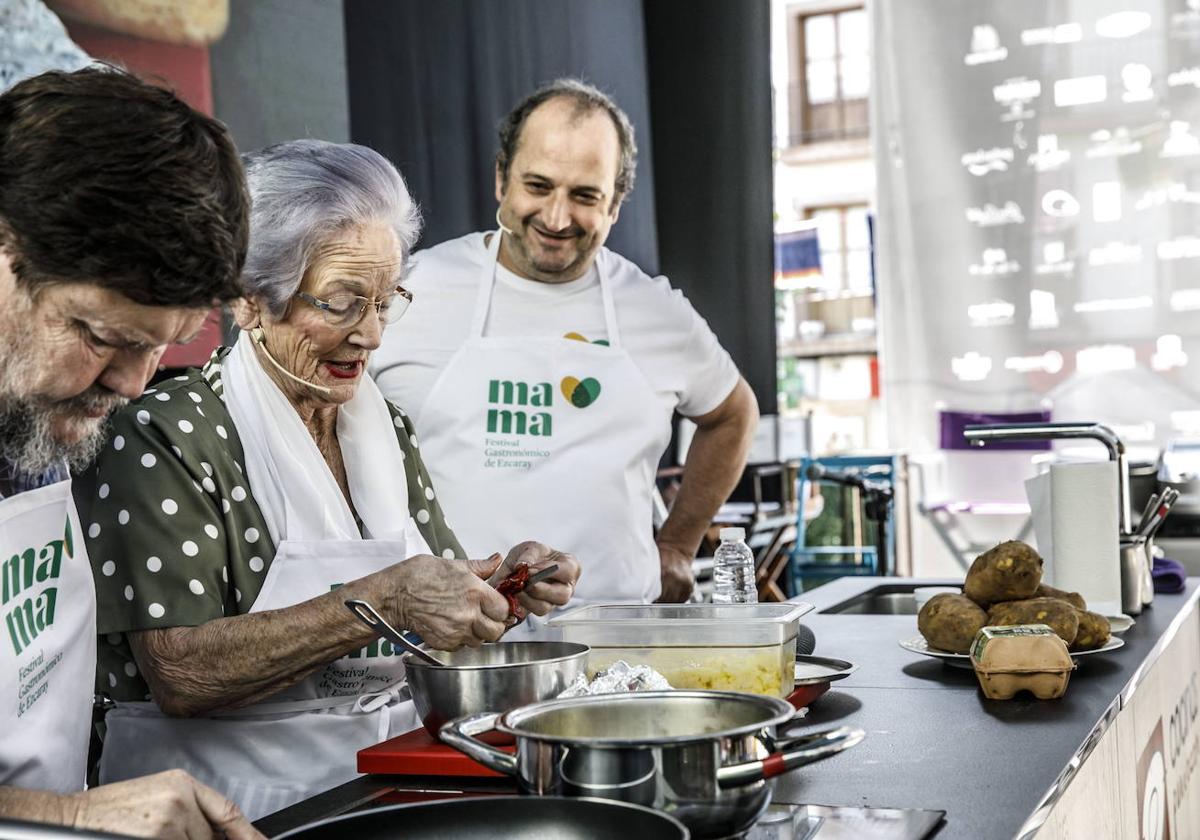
543	370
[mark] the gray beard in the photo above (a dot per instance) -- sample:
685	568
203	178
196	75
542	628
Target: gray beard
27	441
29	446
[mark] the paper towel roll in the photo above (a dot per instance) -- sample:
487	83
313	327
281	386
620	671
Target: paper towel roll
1076	521
1037	490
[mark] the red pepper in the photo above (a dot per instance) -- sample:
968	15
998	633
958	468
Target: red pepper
512	586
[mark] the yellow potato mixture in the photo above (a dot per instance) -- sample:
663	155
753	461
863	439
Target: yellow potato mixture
756	670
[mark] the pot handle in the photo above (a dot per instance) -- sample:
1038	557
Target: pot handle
461	733
796	752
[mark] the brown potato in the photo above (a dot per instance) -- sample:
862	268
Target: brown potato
1094	631
1060	616
1072	598
950	622
1009	572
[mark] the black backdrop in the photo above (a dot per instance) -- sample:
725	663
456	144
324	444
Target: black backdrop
430	79
710	105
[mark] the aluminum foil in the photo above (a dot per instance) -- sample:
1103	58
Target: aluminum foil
618	678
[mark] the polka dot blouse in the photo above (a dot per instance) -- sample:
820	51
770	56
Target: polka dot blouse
173	531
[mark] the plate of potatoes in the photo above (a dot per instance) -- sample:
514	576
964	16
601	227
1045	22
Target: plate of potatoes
1004	588
917	644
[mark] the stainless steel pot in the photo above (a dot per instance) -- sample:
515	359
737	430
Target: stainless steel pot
493	677
700	756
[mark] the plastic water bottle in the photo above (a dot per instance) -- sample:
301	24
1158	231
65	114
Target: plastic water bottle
733	570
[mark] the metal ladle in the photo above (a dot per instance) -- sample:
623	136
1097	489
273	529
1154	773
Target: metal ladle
368	616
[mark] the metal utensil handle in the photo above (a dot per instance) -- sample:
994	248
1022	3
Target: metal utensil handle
540	575
796	752
461	733
1151	506
1170	497
1159	515
368	616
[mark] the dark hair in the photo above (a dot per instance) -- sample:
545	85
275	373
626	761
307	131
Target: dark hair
109	180
586	99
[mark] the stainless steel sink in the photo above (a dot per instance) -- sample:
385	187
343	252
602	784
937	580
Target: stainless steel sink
885	599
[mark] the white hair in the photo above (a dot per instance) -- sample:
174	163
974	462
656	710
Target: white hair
305	191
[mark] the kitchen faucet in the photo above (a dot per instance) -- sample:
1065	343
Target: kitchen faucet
979	435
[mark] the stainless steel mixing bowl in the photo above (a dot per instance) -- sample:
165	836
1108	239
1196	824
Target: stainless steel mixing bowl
495	677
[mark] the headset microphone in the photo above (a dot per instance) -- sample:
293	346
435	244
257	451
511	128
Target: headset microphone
501	224
256	335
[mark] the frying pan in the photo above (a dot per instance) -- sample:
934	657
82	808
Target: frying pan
489	817
21	830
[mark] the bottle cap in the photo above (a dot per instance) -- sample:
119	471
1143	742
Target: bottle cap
732	534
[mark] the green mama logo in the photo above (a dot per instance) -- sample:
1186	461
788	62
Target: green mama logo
29	613
523	418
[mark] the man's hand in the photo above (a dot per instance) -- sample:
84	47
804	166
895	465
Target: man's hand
555	591
714	463
169	806
677	578
448	602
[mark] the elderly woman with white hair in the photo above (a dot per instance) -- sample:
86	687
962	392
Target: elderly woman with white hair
248	500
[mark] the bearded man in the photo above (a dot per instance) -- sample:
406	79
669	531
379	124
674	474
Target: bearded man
123	221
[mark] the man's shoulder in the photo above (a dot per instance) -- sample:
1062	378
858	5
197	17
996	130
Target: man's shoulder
627	275
632	285
453	255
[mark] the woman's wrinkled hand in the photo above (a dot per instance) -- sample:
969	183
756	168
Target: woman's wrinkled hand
448	602
168	806
556	590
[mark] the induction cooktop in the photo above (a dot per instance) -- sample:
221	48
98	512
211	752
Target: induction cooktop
821	822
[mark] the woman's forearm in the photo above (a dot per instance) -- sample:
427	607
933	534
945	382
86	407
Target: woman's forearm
36	806
231	662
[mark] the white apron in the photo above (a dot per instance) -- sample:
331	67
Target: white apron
554	440
299	742
47	641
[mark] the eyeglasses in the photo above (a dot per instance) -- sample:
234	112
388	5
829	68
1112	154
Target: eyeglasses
344	310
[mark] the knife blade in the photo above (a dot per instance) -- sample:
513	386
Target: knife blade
540	575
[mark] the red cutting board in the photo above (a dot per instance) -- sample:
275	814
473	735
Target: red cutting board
417	753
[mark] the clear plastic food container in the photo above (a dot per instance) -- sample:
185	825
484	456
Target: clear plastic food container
734	647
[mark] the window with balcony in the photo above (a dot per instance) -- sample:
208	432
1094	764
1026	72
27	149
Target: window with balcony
844	237
830	311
